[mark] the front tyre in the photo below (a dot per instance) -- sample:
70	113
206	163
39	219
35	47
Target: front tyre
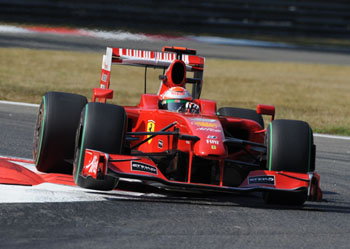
290	148
54	133
242	113
102	127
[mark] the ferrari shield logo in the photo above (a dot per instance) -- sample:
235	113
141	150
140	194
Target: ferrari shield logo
150	128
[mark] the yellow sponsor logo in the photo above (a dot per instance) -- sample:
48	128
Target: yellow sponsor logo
150	128
213	147
206	124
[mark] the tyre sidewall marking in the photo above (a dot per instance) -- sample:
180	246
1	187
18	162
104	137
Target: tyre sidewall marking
81	147
42	131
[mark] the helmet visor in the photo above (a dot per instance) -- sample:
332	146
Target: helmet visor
173	104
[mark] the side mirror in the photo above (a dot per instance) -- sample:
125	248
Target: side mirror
102	94
266	110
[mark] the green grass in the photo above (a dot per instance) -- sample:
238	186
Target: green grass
316	93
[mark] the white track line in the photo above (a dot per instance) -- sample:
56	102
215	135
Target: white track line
331	136
123	36
12	29
239	42
18	103
107	35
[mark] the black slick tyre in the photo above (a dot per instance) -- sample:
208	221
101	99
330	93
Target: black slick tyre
102	127
290	148
54	133
242	113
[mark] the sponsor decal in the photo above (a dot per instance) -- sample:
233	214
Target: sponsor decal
160	144
212	141
178	93
105	65
205	124
213	147
203	120
150	128
211	137
104	77
208	129
92	166
137	166
261	180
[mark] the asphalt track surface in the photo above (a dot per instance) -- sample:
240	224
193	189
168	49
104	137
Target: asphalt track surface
213	47
170	220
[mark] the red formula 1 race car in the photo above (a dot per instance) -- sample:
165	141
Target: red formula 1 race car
173	138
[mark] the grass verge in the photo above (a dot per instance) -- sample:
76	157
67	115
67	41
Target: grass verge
316	93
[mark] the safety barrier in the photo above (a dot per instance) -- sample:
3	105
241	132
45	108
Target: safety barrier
312	18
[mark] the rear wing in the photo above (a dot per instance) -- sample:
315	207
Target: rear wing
154	59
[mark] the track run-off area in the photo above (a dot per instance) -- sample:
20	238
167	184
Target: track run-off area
51	215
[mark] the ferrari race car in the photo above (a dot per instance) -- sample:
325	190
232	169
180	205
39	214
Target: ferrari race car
226	150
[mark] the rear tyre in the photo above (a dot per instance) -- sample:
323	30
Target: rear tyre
54	133
290	148
242	113
102	127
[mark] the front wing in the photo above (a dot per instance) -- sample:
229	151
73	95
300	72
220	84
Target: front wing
98	164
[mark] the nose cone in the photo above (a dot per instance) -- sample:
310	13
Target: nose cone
209	148
211	136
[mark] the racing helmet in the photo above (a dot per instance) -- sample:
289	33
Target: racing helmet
174	98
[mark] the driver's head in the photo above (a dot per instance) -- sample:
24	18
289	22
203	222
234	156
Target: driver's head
174	98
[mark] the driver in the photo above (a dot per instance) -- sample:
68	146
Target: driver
178	99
